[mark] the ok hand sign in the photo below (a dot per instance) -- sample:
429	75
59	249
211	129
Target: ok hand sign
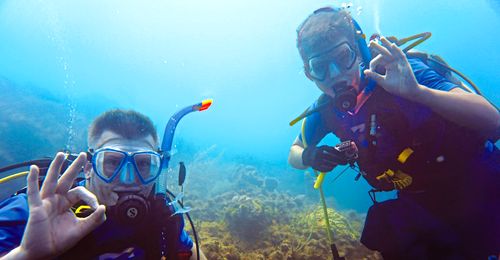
398	78
52	227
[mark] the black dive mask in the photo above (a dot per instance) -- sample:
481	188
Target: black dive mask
130	209
345	96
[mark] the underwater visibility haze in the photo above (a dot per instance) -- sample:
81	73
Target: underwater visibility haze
64	62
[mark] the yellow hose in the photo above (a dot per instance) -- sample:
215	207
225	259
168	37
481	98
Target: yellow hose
421	38
319	180
325	213
297	119
317	185
321	177
13	176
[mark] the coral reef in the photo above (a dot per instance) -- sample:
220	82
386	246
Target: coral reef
301	238
252	219
247	218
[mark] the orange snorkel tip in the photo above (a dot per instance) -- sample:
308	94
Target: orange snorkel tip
204	105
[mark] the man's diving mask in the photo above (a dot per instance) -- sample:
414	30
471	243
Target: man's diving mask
332	63
109	163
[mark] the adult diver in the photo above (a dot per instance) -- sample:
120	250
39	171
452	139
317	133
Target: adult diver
119	210
416	130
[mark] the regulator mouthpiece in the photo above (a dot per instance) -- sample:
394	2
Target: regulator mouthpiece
131	209
345	97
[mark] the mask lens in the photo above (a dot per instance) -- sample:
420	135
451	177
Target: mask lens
332	62
318	68
345	56
108	163
147	165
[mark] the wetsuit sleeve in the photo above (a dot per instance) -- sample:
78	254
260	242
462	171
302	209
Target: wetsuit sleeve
429	77
185	241
13	218
314	129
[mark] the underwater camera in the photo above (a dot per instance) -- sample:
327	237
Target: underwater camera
348	150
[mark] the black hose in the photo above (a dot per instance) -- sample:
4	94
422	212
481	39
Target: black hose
192	227
41	163
38	162
335	252
195	236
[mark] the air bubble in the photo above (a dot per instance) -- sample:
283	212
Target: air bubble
346	5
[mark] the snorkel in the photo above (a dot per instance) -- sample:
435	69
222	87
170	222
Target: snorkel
174	208
168	136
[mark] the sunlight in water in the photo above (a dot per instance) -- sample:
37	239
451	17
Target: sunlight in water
376	16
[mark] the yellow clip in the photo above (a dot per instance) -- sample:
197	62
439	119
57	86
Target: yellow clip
386	174
404	155
389	172
402	180
82	208
399	179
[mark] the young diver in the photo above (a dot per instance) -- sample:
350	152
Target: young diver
125	219
416	132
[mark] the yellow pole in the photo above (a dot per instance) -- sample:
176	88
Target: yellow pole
317	185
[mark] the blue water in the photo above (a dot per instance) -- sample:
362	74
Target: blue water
158	56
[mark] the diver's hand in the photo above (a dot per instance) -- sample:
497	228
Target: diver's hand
52	227
398	78
323	158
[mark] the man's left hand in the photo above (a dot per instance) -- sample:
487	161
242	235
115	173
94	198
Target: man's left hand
398	78
52	227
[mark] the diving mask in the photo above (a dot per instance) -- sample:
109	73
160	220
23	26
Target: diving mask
109	163
332	63
329	66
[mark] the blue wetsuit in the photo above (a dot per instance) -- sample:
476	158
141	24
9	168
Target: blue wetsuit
110	237
452	206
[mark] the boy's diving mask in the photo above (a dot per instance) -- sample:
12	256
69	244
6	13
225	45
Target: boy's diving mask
332	63
109	163
329	66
